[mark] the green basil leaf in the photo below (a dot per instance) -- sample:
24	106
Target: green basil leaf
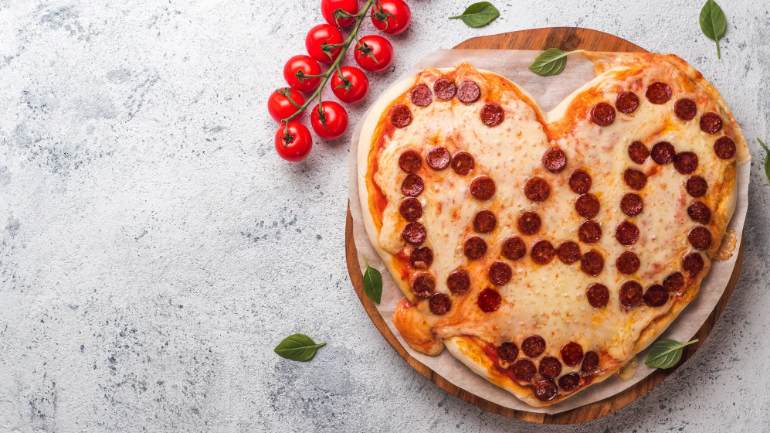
767	158
373	284
478	14
713	23
666	353
550	62
298	347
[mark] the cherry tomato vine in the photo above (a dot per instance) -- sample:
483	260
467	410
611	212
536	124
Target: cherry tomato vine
326	45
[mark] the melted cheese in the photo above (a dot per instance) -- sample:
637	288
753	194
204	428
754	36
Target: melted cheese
550	300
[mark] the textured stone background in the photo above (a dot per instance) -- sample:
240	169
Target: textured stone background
153	248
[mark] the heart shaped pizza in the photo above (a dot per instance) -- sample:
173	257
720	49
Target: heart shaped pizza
545	250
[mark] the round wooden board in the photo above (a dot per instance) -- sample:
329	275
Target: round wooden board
566	38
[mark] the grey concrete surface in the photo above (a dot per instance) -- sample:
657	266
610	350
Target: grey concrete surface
154	249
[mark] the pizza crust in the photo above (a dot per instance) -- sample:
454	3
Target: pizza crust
467	348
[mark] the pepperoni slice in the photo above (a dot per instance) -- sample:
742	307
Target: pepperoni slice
439	304
469	92
603	114
462	163
410	208
710	123
700	238
697	186
444	89
514	248
421	258
587	206
590	364
489	300
542	252
598	295
500	274
627	262
524	370
572	353
550	367
568	252
685	162
414	233
631	294
438	158
655	296
492	115
592	263
458	282
674	282
537	189
635	178
627	233
580	182
484	222
507	351
663	153
545	389
693	264
627	102
658	93
724	148
685	109
638	152
554	160
400	116
699	212
410	161
483	187
412	186
421	95
529	223
631	204
533	346
569	382
590	232
423	285
474	248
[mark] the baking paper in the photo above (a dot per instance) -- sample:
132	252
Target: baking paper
548	92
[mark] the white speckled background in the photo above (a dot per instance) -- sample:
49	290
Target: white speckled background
153	249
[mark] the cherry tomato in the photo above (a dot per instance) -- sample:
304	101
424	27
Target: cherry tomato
349	84
391	16
293	141
320	42
330	120
284	102
374	53
329	7
296	73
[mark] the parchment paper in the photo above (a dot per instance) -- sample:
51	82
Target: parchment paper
547	92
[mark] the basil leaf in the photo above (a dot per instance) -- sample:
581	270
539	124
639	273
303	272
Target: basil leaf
298	347
478	14
666	353
767	158
373	284
713	23
550	62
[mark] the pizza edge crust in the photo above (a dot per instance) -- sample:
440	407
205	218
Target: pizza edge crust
465	349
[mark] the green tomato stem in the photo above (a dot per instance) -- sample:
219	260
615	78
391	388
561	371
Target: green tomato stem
335	65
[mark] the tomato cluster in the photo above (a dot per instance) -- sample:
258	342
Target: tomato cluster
326	45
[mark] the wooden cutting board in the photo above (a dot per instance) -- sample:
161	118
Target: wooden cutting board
566	38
